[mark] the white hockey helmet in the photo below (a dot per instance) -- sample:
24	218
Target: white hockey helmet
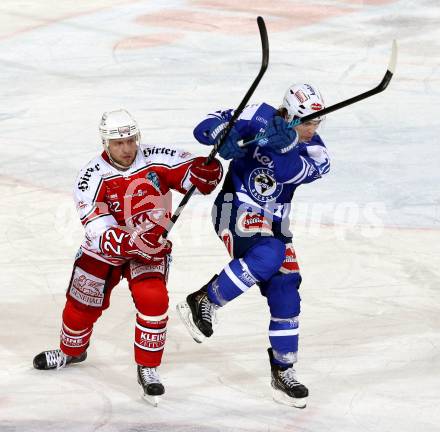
118	124
301	100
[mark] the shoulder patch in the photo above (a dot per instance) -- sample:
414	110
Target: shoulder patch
153	178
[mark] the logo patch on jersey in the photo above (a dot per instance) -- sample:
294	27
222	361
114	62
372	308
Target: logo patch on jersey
254	223
153	178
263	186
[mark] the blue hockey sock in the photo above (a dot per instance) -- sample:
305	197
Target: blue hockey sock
283	336
233	280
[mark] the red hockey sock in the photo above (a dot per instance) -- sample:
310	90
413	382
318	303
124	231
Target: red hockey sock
149	339
74	343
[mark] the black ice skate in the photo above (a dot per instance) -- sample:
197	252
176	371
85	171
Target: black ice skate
198	313
149	380
56	359
286	388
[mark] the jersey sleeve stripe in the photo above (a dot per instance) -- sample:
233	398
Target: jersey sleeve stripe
172	166
98	188
93	218
325	168
186	182
93	208
302	174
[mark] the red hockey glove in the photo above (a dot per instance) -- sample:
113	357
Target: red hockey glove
206	177
147	247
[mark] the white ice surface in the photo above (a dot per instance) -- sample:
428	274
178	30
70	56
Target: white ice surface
367	236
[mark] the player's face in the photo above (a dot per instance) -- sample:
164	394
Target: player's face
123	151
307	130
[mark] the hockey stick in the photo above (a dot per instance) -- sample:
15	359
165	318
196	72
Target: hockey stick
380	88
238	111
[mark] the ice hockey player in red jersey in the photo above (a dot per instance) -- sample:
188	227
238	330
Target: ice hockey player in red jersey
123	198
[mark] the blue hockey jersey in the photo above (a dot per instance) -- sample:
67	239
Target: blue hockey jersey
263	179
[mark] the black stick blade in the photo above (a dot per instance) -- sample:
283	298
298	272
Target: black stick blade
378	89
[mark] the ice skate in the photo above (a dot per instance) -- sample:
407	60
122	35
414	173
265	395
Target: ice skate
56	359
149	380
198	314
286	389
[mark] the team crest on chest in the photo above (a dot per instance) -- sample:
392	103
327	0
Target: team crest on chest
153	178
263	186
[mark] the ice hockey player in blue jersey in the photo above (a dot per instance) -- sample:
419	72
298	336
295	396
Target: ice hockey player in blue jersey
251	217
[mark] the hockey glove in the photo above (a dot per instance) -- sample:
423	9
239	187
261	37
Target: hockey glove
279	136
205	177
147	247
230	148
216	131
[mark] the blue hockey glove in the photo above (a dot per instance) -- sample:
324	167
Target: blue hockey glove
279	136
230	148
216	131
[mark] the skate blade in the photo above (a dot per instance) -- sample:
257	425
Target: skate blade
281	398
152	400
185	315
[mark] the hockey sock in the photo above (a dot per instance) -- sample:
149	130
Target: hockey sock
73	342
283	336
149	339
233	280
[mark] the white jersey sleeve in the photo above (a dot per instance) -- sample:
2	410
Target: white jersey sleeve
89	199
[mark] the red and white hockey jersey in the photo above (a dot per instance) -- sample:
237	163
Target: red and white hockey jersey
106	197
